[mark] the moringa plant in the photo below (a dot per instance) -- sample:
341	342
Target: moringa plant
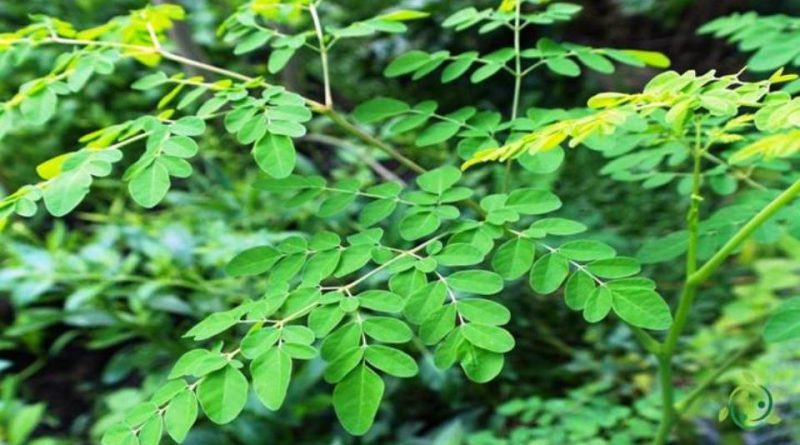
415	265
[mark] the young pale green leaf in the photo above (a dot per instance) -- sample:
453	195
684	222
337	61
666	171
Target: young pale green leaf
223	395
272	372
650	58
548	272
391	361
356	400
479	282
180	415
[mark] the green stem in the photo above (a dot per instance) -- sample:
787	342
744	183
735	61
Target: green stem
323	55
684	302
517	62
695	278
517	84
702	274
667	400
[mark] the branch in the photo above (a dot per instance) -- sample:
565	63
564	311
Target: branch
702	274
318	107
323	54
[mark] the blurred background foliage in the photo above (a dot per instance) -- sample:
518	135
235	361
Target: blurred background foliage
92	303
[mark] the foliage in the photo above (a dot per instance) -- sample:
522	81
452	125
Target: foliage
384	275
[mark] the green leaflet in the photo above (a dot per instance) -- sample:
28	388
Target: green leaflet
618	267
514	258
578	289
391	361
150	185
548	272
379	109
478	364
641	307
180	415
356	400
480	282
253	261
597	305
213	325
272	372
151	431
485	312
491	338
223	394
422	302
586	250
66	192
439	180
275	155
345	362
459	254
438	324
387	330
